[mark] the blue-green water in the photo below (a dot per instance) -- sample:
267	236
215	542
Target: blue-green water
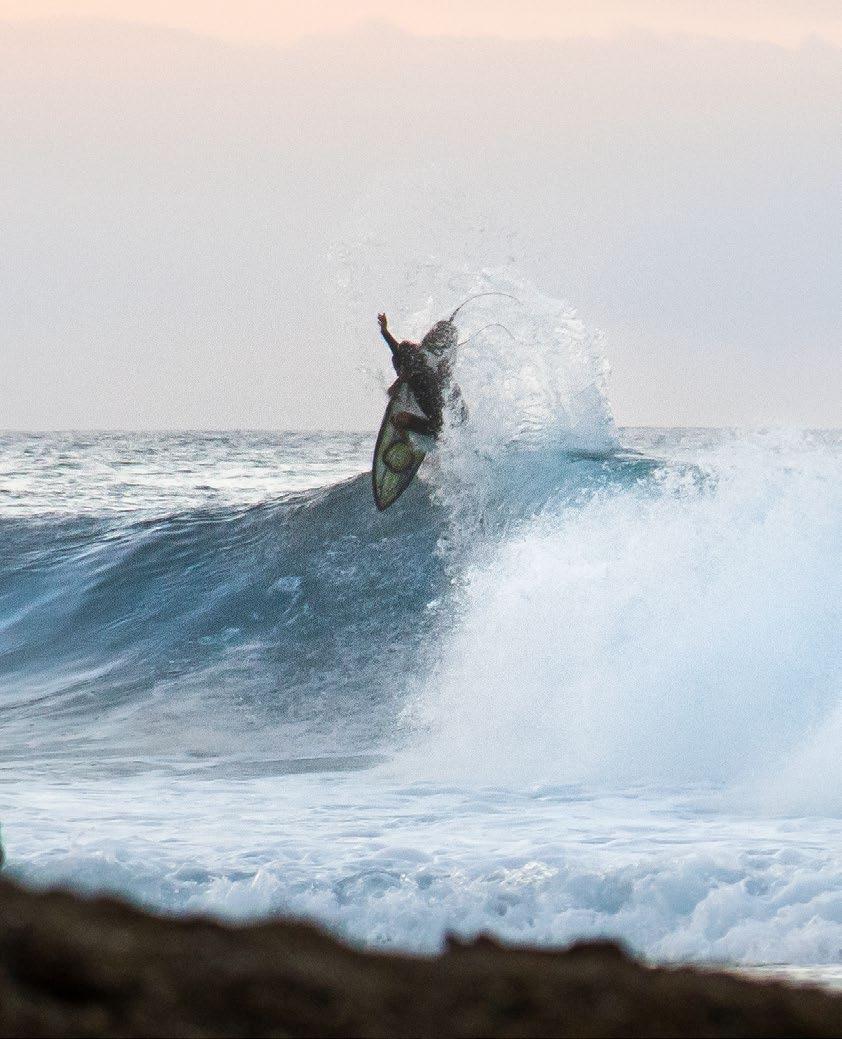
550	693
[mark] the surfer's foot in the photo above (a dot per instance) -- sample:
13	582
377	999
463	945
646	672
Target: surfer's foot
413	423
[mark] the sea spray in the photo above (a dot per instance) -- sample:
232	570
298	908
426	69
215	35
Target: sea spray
681	628
533	377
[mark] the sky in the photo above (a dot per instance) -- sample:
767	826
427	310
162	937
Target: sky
280	21
203	206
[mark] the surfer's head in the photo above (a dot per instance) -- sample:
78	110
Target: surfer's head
441	338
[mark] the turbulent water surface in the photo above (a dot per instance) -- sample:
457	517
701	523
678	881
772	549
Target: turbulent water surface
577	681
604	702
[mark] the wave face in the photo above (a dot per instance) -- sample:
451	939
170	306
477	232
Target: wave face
616	618
281	615
300	622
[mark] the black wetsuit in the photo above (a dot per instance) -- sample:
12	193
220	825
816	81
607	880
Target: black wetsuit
428	383
428	376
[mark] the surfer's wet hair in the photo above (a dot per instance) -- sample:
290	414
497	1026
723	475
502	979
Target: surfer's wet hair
441	338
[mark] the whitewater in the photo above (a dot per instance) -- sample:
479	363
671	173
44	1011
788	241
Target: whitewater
579	681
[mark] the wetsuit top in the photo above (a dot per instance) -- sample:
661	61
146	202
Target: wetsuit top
427	367
428	377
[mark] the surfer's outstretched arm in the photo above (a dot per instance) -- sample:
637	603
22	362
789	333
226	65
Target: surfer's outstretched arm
387	335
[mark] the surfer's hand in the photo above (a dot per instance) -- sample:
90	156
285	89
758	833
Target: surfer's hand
381	320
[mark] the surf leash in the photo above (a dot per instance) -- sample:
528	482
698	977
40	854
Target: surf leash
479	295
485	328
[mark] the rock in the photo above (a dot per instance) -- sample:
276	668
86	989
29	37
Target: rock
72	967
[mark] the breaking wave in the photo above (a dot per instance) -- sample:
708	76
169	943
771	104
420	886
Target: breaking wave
575	682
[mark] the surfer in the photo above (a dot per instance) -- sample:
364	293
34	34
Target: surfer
424	384
427	368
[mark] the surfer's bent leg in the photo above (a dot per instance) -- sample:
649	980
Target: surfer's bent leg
414	423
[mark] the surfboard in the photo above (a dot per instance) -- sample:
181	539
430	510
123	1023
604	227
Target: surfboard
397	454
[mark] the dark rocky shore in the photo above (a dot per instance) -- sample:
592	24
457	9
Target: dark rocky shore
71	967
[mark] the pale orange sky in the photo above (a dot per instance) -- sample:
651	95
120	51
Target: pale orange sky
196	234
280	21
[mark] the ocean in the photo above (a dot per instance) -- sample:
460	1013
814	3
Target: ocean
579	681
554	692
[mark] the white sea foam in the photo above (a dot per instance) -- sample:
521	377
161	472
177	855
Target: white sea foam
683	629
401	865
